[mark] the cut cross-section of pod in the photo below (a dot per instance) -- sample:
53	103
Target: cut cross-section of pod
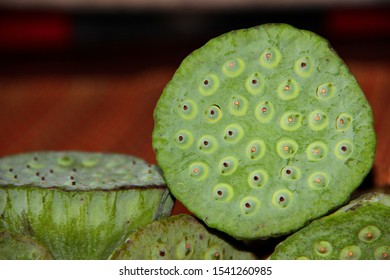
180	237
276	115
80	205
359	230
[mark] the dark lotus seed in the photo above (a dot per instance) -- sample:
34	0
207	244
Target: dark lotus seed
303	64
205	82
162	254
230	133
344	148
247	205
206	143
254	82
181	138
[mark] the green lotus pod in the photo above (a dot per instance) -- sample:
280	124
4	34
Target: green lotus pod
262	130
180	237
360	230
15	246
80	205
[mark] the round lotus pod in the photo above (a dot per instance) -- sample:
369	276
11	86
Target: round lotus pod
180	237
262	130
15	246
360	230
80	205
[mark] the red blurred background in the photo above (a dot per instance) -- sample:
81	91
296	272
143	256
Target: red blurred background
88	78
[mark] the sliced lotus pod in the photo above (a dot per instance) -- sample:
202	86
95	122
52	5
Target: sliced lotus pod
360	230
262	130
180	237
80	205
14	246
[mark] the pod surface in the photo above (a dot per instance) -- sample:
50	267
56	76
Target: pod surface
262	130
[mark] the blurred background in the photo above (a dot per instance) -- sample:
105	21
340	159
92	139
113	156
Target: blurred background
86	74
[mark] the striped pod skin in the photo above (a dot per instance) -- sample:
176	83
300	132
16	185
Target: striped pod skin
80	205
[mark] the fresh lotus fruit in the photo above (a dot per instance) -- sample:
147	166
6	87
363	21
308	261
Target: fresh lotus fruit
262	130
15	246
360	230
180	237
80	205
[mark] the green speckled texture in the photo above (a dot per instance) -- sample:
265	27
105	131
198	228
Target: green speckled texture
15	246
112	196
360	230
180	237
262	130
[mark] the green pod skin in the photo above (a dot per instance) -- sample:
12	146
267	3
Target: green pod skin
289	132
15	246
358	231
84	208
180	237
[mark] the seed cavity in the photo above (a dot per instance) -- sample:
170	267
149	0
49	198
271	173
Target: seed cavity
343	149
223	192
213	113
233	133
351	253
369	233
183	139
238	105
249	205
318	120
343	122
291	121
304	67
187	109
382	253
325	91
228	165
255	83
264	112
286	148
209	85
199	170
207	144
323	248
288	89
233	68
255	150
318	180
282	198
258	178
316	151
270	58
291	173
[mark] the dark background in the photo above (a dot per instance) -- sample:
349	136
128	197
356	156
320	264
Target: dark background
88	77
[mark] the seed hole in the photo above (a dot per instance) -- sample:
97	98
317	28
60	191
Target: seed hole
267	55
181	138
248	205
185	107
73	183
282	199
322	250
256	178
230	133
253	149
195	170
15	176
219	193
225	164
288	171
264	109
287	87
369	235
212	112
206	82
254	82
162	253
344	148
303	64
206	143
11	170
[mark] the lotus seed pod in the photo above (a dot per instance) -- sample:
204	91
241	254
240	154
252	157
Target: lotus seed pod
180	237
80	205
276	118
360	230
15	246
